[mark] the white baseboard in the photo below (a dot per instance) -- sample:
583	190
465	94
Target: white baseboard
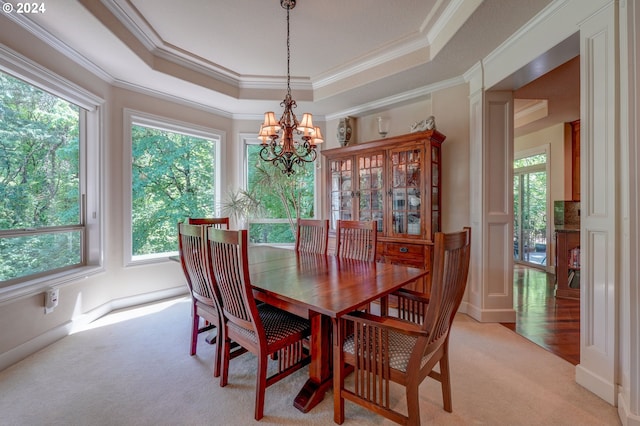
127	302
22	351
32	346
596	384
627	418
489	315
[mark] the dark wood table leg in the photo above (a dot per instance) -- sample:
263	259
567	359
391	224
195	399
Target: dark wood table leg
320	367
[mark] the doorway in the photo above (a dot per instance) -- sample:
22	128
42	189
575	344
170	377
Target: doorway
530	205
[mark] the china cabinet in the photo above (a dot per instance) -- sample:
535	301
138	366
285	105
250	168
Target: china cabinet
396	183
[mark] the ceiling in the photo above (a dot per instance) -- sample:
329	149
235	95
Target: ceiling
349	57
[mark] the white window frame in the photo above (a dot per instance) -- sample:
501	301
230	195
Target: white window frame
252	139
92	115
133	117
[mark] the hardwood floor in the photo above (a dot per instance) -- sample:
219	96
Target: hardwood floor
550	322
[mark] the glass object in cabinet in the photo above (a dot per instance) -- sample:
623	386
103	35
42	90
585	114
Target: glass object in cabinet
413	224
399	222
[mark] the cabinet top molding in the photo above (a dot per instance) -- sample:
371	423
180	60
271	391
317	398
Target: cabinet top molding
433	135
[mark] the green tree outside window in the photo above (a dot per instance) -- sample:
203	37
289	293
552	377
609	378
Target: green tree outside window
173	177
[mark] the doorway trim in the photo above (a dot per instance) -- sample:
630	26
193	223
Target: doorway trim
491	119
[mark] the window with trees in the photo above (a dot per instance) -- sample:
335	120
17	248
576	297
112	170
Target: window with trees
173	176
283	198
530	205
44	179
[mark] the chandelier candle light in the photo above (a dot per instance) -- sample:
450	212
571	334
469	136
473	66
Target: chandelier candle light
289	151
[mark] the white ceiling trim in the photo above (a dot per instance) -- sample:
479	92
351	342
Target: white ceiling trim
32	72
171	98
138	27
135	23
457	10
543	15
35	29
386	54
409	96
534	109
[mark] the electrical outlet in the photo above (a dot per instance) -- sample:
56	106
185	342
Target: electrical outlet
50	299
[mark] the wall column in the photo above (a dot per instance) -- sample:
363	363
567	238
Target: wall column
491	157
599	204
629	327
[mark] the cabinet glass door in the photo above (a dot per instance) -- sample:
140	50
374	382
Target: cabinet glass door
435	190
406	192
371	188
341	190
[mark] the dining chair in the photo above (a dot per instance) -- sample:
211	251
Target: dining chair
218	222
356	239
262	329
192	248
312	236
381	350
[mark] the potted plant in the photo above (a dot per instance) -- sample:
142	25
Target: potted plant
242	205
270	180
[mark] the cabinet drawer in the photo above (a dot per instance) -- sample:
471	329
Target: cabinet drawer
410	252
406	261
403	250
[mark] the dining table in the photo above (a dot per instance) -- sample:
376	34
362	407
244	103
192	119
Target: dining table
321	288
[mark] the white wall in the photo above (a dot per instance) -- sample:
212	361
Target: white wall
24	325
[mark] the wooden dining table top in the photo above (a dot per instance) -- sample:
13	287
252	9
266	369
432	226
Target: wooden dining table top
320	283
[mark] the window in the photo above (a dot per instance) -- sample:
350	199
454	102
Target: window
48	137
174	170
530	207
284	198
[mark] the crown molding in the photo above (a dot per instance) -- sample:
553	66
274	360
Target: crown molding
400	98
384	55
171	98
23	21
542	16
40	76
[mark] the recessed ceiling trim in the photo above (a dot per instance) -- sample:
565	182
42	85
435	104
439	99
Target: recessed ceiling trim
133	21
532	110
137	25
452	19
171	98
395	100
36	74
44	35
386	54
516	37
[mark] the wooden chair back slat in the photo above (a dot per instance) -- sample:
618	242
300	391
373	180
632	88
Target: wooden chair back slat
230	267
450	270
312	236
193	260
356	240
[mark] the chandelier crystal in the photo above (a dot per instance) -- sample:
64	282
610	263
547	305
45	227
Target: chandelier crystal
288	142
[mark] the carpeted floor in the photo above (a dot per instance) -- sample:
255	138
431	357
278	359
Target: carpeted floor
133	368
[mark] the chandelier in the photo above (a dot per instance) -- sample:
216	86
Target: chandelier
288	142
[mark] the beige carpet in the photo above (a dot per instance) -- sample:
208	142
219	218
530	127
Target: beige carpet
136	370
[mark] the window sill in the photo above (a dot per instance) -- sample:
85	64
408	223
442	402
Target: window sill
30	288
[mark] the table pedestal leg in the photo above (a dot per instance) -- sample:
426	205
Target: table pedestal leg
320	367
